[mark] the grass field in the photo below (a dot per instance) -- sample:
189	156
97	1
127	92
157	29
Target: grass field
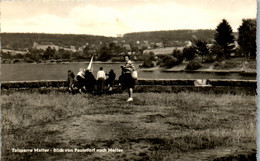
153	127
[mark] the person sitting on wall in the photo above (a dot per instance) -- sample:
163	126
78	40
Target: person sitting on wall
101	77
71	82
81	80
90	81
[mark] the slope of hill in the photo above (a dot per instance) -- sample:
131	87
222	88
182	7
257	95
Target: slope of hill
26	40
172	35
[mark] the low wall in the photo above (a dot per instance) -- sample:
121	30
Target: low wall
148	85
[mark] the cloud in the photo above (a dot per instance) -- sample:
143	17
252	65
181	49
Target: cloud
110	20
43	23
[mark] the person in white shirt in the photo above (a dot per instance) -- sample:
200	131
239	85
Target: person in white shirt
101	77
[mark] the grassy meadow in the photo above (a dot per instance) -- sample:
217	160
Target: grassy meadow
155	126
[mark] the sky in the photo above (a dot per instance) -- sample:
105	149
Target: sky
113	17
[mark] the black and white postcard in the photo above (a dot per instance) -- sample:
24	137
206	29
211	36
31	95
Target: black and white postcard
160	80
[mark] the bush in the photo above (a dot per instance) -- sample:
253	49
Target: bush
16	61
178	55
28	60
168	61
209	59
148	60
193	66
189	53
148	63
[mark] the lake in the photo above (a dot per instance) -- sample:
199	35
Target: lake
23	72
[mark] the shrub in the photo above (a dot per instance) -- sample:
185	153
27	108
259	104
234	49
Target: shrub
193	66
16	61
178	55
168	61
148	60
209	59
28	60
148	63
189	53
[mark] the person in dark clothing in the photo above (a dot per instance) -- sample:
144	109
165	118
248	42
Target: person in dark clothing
90	81
71	82
110	79
121	80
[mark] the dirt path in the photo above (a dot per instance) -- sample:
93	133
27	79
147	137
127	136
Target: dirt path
131	136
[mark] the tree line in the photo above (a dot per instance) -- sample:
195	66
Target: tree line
18	41
222	48
222	45
172	35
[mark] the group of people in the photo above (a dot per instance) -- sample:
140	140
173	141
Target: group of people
85	81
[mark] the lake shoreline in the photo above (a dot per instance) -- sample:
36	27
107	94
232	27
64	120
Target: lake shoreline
155	68
231	69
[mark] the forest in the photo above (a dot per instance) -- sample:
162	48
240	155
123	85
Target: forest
171	35
19	41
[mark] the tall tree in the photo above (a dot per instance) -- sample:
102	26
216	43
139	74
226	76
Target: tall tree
104	54
178	55
224	37
189	53
247	37
48	53
201	48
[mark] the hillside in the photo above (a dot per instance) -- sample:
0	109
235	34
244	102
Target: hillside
25	40
171	35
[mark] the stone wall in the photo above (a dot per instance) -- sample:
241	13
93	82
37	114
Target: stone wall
148	85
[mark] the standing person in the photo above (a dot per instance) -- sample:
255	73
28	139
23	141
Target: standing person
111	78
81	79
90	81
71	77
129	81
101	77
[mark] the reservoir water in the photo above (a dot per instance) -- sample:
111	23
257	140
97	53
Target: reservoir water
23	72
